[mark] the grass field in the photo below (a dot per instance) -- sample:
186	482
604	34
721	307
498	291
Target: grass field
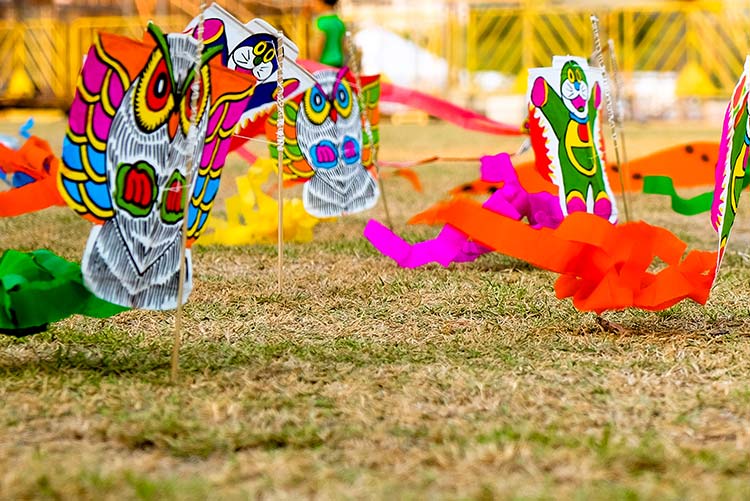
362	380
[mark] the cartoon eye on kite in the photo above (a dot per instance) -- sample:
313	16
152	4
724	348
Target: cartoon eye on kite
343	102
185	109
571	75
154	99
264	52
316	105
269	56
260	48
579	75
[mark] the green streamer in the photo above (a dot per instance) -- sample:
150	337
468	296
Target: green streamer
39	287
663	185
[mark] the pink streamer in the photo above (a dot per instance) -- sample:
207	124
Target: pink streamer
452	246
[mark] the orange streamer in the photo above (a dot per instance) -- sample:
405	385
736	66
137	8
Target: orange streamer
601	266
35	159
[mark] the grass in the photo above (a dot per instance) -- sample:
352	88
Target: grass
361	380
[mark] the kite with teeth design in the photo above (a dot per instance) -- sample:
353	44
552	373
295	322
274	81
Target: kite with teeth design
732	164
566	135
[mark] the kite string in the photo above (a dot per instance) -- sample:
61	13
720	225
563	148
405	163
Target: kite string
255	139
354	65
619	85
610	109
280	140
192	140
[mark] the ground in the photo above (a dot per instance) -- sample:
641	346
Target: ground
361	380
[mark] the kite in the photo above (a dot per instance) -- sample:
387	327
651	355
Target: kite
252	49
731	168
326	144
564	105
125	159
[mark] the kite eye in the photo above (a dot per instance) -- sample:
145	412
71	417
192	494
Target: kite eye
269	56
317	105
259	48
154	99
343	102
579	75
185	112
571	76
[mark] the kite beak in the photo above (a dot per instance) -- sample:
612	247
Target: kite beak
174	123
334	115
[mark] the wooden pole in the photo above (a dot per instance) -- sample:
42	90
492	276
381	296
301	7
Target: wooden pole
280	141
185	197
610	110
354	66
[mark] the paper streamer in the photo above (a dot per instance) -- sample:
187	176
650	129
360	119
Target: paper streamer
38	288
35	165
444	110
602	266
450	246
251	214
663	185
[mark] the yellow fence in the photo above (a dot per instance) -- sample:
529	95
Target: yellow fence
665	37
46	54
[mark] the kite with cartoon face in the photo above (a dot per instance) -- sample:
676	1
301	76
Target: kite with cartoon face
257	55
252	48
572	116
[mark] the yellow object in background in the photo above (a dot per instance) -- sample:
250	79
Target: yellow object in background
693	81
20	86
252	215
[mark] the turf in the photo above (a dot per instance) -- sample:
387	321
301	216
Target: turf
360	380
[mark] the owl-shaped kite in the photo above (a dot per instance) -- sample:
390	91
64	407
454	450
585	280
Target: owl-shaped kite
126	154
325	143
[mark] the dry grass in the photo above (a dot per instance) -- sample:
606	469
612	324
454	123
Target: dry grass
362	380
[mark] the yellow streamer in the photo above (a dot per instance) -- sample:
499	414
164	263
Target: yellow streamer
252	215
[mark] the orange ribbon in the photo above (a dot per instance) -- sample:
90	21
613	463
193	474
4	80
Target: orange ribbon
601	266
35	159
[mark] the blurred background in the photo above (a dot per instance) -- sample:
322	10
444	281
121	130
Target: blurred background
678	59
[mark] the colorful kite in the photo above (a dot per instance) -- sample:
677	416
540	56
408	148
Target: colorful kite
125	160
326	144
732	165
564	105
252	49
